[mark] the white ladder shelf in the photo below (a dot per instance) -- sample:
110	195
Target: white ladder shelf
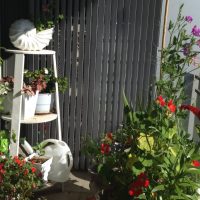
15	117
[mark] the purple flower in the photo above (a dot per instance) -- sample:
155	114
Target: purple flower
188	19
196	31
186	49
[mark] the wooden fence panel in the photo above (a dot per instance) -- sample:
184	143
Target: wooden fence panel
103	47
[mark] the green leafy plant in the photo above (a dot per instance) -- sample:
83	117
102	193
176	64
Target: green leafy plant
18	178
48	18
6	85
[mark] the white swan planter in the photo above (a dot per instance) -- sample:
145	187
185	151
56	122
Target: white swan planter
23	35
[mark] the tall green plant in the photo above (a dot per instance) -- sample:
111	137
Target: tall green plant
177	57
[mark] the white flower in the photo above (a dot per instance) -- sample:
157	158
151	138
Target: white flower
46	71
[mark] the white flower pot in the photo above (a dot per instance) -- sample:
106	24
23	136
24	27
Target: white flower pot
44	167
28	106
44	103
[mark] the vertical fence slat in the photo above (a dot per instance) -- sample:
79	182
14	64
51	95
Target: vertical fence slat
136	51
126	24
92	67
86	66
148	56
111	61
117	63
130	52
105	64
80	81
98	72
84	110
156	29
142	52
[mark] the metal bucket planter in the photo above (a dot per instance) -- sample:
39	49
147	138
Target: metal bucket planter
44	103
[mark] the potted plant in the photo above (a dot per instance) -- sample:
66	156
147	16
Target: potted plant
29	97
41	163
18	178
45	81
6	92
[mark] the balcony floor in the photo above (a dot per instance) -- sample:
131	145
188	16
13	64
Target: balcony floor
76	188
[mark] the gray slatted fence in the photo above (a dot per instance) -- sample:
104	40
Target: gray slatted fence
103	47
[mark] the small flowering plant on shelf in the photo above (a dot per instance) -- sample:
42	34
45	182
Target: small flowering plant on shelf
44	80
18	178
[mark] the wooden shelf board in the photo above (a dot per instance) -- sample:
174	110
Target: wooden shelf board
34	120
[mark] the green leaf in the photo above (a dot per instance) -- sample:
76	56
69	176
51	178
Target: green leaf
145	142
158	188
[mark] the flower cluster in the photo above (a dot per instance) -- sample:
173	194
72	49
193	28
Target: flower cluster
18	178
136	188
170	105
6	85
105	146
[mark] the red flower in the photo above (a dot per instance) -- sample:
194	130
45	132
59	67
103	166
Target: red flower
1	166
196	163
109	136
160	100
105	148
171	106
131	192
33	169
136	187
17	160
194	110
146	183
25	172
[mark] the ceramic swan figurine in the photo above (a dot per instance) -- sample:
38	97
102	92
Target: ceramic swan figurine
23	35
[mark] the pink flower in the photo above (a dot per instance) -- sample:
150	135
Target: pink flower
196	31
